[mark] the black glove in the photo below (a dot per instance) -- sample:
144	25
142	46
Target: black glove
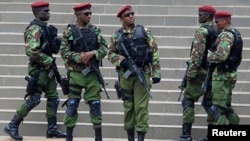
124	63
156	80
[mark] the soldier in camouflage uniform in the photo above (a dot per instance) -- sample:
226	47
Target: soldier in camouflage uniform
225	75
77	53
141	45
40	64
196	72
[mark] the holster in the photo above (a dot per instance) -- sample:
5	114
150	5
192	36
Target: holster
31	85
119	91
65	85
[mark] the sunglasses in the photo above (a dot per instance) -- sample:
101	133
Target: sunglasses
46	10
201	14
216	21
87	13
128	14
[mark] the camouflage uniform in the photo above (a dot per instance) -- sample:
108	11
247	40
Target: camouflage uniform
196	73
77	81
223	83
136	104
41	62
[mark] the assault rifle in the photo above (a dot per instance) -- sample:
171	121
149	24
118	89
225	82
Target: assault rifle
183	82
92	62
132	68
207	83
54	71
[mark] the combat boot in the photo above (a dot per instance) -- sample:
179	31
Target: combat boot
98	134
53	131
69	136
186	132
141	136
131	134
12	127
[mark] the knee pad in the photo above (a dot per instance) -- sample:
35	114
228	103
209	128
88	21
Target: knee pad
72	106
187	102
95	107
53	104
33	101
215	112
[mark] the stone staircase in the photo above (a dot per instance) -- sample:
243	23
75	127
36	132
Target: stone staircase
172	22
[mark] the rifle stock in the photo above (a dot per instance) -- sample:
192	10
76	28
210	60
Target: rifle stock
183	82
207	83
134	69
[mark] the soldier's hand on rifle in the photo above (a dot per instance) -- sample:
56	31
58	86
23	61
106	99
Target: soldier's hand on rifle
86	56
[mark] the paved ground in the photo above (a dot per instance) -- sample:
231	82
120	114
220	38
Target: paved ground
26	138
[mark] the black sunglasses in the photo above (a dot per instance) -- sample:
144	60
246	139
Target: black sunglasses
87	13
46	10
128	14
202	14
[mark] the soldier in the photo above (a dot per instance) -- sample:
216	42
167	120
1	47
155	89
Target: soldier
39	46
197	68
140	44
83	47
227	57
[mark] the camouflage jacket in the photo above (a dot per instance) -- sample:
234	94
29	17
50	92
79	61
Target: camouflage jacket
68	55
197	51
115	58
224	42
32	39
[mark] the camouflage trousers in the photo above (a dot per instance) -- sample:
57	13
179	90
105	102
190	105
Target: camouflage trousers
192	94
136	103
77	82
222	98
46	85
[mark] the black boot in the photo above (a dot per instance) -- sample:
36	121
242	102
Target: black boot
141	136
186	132
12	127
69	136
53	130
131	134
98	134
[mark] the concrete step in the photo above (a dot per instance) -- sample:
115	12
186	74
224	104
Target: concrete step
158	94
174	73
140	8
242	86
161	40
109	29
149	2
165	51
117	117
39	138
116	106
162	132
161	20
166	62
